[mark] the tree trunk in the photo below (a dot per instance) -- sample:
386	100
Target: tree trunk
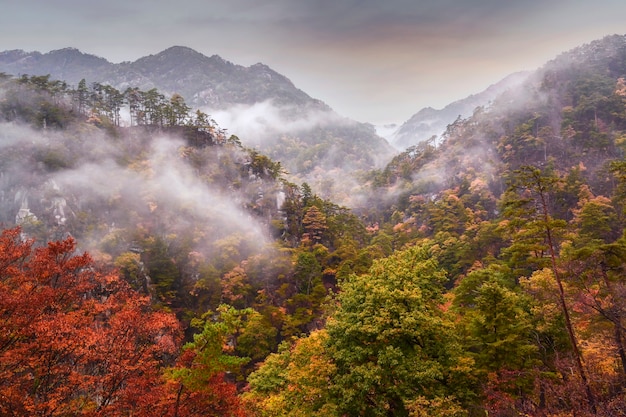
568	322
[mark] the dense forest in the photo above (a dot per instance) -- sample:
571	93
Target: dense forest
161	267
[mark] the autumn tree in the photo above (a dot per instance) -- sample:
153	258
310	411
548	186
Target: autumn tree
536	232
314	222
199	378
394	349
73	341
294	381
595	266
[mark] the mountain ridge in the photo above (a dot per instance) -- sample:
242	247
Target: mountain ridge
279	119
194	70
429	122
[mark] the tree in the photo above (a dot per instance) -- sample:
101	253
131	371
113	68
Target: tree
539	232
153	107
82	96
496	323
496	319
134	98
179	111
390	340
294	381
596	219
200	376
236	288
73	341
257	338
314	222
596	274
448	214
164	273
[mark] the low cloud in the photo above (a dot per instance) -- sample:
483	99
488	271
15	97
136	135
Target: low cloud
261	123
154	188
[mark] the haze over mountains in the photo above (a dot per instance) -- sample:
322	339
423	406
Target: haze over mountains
482	273
261	106
203	81
266	110
429	122
230	91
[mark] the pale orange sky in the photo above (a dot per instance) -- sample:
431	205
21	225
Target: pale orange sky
373	61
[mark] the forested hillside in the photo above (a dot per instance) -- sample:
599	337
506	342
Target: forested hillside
193	225
269	113
484	275
504	291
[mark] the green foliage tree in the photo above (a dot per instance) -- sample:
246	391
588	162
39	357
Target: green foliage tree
448	214
258	337
538	232
391	342
164	274
178	111
82	96
294	381
498	331
203	365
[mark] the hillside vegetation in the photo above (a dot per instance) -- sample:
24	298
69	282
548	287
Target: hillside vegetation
313	143
481	275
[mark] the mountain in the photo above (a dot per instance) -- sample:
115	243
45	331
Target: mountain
524	198
261	106
483	273
201	80
67	64
212	81
429	122
569	114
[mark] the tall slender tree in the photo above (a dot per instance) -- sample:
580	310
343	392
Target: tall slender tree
528	208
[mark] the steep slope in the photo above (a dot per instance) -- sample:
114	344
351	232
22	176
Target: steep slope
201	80
569	114
429	122
524	203
185	212
258	104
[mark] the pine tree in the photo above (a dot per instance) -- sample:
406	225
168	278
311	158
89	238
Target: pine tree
536	231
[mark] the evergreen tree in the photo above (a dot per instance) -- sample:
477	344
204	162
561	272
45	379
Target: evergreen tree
538	232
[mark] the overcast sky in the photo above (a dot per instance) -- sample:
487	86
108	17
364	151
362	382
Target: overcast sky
377	61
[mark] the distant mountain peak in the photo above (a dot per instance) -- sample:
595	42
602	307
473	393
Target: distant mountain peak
179	49
429	122
174	52
68	49
182	52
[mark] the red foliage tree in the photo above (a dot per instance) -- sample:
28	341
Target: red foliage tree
74	341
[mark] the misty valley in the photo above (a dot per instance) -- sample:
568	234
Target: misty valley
154	262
